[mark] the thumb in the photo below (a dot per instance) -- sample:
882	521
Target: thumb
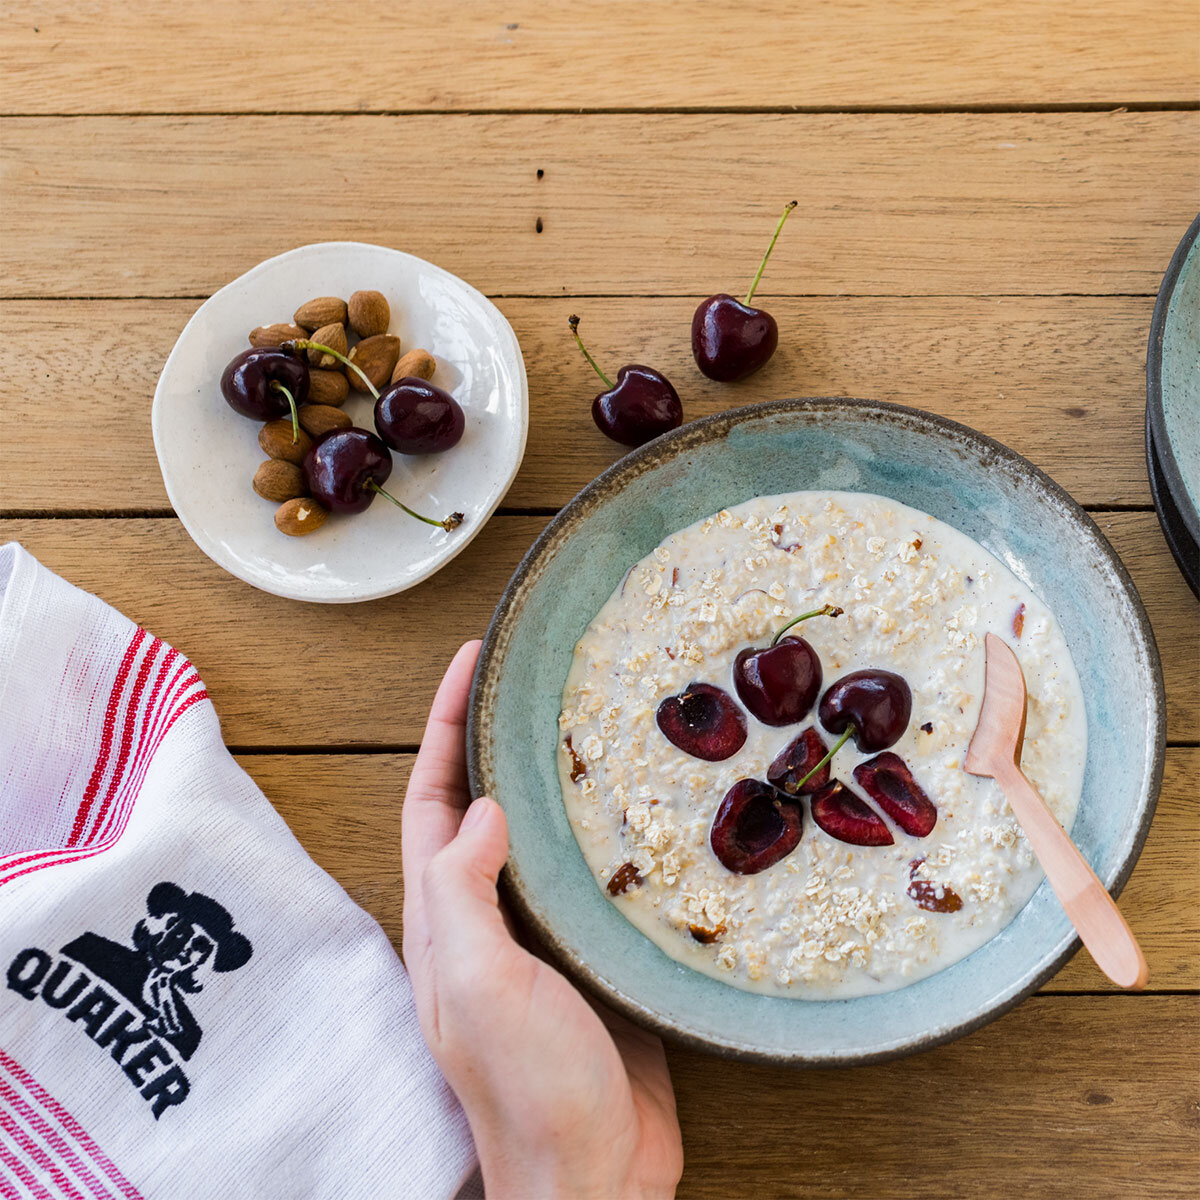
462	908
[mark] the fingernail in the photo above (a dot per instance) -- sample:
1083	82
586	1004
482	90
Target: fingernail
475	814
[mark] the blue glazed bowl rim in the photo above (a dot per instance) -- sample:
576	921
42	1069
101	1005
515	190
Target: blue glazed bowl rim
646	458
1155	415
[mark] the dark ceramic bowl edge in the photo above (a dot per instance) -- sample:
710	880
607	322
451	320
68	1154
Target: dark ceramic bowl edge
1170	520
1156	419
586	976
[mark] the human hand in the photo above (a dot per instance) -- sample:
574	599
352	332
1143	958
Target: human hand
563	1100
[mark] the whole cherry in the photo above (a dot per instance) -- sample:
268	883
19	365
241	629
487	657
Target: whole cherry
730	339
346	469
779	683
265	383
703	721
755	826
641	405
415	416
871	706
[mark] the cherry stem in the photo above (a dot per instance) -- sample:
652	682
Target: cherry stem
279	387
305	344
453	521
762	266
795	787
573	321
829	610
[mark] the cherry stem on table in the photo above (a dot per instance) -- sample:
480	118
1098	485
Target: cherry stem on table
573	321
451	522
762	266
279	387
795	787
828	610
305	344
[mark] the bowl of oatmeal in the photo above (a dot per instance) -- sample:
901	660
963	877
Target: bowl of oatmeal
650	720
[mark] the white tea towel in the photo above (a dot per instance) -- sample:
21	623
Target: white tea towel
189	1006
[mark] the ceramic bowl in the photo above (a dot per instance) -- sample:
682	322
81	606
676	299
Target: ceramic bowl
945	469
1173	386
208	453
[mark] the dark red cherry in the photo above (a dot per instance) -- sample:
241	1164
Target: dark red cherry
342	467
703	721
640	406
257	381
415	416
843	815
754	827
876	703
730	339
778	683
346	470
888	781
795	761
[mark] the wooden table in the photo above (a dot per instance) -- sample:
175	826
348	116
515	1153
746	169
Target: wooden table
989	194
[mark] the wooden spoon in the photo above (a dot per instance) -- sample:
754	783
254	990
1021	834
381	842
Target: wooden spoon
995	752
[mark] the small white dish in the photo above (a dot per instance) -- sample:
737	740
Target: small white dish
208	453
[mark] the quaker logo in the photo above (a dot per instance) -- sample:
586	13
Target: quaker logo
184	939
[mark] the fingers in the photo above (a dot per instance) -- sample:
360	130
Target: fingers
459	885
437	789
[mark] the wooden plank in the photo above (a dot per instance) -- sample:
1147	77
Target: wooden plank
1083	1096
1059	379
443	54
277	669
345	809
892	204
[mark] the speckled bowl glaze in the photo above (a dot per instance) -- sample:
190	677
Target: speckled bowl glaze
1172	402
962	478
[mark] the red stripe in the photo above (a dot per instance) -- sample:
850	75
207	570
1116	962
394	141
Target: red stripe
7	1191
71	1126
48	856
148	744
39	1156
59	851
56	1143
132	712
110	719
24	1176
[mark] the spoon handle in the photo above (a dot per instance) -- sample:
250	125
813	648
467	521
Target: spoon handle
1090	908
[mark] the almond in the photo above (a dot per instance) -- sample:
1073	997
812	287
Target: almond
327	387
369	314
300	516
278	480
375	357
317	419
275	335
333	336
415	362
275	438
324	310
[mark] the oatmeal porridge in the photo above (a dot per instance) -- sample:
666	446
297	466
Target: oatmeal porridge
886	865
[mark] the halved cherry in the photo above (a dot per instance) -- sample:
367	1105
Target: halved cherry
838	811
792	771
755	827
703	721
888	781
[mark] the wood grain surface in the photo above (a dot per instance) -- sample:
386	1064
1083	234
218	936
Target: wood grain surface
904	204
1058	379
258	653
989	194
441	54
